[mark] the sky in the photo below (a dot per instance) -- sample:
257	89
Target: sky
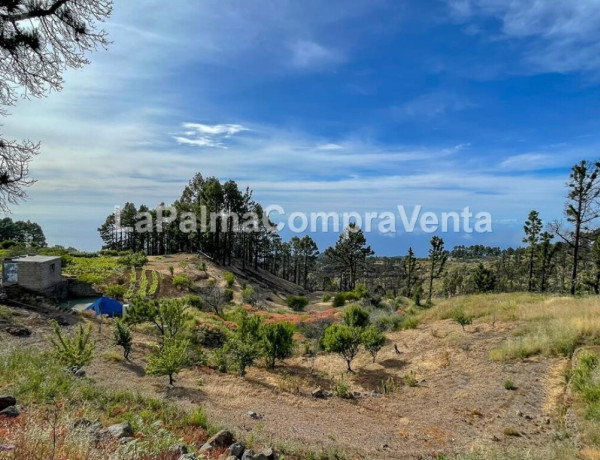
353	105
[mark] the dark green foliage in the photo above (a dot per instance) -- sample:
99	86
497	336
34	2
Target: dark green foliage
244	348
209	336
343	340
277	342
437	260
373	341
356	316
339	300
116	291
123	337
296	302
484	279
460	317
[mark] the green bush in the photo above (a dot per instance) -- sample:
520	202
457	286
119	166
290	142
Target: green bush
181	280
229	278
228	295
373	341
326	298
123	337
460	317
339	300
73	351
509	385
133	260
194	301
277	342
389	322
209	336
116	291
169	359
410	322
340	387
343	340
356	316
297	302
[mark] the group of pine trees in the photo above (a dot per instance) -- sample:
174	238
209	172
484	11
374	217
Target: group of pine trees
557	257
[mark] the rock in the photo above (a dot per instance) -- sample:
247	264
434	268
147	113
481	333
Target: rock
121	430
375	394
206	447
254	415
179	448
318	393
126	440
10	411
7	447
248	455
188	457
222	439
19	331
265	454
7	401
79	373
237	449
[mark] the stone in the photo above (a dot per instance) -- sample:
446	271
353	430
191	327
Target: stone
126	440
222	439
121	430
19	331
248	455
188	457
10	411
237	449
265	454
318	393
179	448
206	447
375	394
7	401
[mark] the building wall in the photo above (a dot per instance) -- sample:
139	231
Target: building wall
39	275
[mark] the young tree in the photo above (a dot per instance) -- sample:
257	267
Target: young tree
309	251
169	359
532	229
215	297
349	255
73	351
123	337
581	210
343	340
437	259
411	267
39	41
244	348
277	342
546	252
373	340
167	315
484	279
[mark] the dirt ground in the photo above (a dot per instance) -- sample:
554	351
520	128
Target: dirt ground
459	400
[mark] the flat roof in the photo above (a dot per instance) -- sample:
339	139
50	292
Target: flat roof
35	259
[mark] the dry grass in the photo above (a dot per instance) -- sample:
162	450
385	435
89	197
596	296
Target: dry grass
547	325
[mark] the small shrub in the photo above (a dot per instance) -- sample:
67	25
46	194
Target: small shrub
326	298
194	301
389	386
123	337
339	300
410	379
133	260
171	270
460	317
296	302
509	384
168	360
410	322
73	351
210	336
356	316
180	280
116	291
340	387
229	278
228	295
220	360
373	341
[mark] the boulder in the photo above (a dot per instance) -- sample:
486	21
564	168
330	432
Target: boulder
7	401
248	455
10	411
254	415
121	430
206	447
265	454
179	448
237	449
126	440
223	438
19	331
318	393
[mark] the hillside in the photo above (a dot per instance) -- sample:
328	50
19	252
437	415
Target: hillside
446	392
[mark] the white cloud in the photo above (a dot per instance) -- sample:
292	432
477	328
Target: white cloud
429	106
329	147
202	135
311	55
556	36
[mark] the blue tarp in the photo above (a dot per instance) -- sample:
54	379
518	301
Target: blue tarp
106	306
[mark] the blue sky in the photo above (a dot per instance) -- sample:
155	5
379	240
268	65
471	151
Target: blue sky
354	105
